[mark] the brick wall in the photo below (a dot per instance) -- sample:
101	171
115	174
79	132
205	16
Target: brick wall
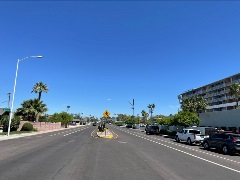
41	126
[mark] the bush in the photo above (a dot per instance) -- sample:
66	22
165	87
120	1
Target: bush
167	132
163	131
27	127
119	123
14	123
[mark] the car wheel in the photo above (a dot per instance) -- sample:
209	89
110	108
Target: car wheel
225	149
205	145
189	141
177	139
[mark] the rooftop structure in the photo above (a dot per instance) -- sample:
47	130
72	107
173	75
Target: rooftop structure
217	94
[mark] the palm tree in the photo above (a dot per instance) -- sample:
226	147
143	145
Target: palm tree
145	115
235	90
194	104
200	104
39	87
151	108
32	109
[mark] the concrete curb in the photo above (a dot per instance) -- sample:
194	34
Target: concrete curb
108	134
15	136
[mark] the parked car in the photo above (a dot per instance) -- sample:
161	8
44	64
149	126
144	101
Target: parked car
142	125
226	142
129	126
152	129
94	124
190	136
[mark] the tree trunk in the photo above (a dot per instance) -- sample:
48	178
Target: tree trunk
236	103
37	117
39	96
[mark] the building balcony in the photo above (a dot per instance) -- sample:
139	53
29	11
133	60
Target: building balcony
236	81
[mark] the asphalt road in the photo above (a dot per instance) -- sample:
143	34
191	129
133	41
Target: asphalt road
78	154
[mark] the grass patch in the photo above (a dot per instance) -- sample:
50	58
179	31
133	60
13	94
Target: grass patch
16	132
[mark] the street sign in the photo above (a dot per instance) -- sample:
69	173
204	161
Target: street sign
106	114
6	109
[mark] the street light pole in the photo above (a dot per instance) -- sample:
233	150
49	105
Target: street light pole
14	88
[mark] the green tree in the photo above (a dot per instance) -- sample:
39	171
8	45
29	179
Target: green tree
200	104
131	120
235	90
32	109
122	117
62	117
194	104
40	87
185	118
164	121
14	123
144	115
151	109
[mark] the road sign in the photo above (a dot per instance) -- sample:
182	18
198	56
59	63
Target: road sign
106	114
6	109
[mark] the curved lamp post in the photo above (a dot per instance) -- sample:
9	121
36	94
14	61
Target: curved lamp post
15	82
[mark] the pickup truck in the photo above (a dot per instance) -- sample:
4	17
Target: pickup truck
190	136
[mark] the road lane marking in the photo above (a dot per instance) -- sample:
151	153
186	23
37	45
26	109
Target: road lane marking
176	144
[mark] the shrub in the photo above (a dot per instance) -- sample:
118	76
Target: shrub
163	131
119	123
172	133
14	123
167	132
27	127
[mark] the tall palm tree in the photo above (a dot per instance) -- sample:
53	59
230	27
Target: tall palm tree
235	90
151	108
40	87
145	115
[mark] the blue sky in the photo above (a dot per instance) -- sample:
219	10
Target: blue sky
100	55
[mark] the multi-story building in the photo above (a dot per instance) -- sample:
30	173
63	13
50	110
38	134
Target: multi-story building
217	94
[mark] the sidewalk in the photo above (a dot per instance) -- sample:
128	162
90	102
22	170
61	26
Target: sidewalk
14	136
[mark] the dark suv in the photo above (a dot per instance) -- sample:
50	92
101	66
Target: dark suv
152	129
226	142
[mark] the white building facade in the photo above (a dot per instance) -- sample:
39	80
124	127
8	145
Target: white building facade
217	94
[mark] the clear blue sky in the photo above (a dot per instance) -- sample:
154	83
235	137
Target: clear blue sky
100	55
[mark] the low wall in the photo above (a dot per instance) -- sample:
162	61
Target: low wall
228	118
41	126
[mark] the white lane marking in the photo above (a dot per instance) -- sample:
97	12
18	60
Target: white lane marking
206	153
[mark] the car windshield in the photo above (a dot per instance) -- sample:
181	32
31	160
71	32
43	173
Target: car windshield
195	131
153	127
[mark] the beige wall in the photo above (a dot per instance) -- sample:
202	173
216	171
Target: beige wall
228	118
42	126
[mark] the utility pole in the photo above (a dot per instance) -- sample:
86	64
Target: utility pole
68	108
8	99
132	106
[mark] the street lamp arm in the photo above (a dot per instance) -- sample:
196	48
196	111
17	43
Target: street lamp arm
29	57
